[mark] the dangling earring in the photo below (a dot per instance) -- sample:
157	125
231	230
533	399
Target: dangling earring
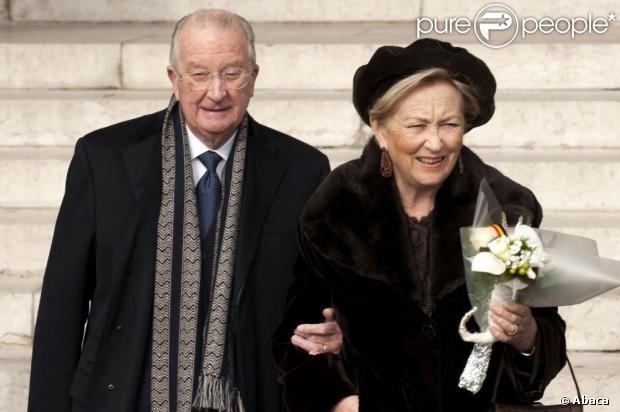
460	164
386	164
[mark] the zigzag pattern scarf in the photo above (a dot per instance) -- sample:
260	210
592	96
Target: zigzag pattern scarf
177	282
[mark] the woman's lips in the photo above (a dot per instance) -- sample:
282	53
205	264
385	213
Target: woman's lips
431	162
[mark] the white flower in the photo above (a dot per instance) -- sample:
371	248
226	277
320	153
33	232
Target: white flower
526	232
516	247
487	262
481	236
499	246
538	256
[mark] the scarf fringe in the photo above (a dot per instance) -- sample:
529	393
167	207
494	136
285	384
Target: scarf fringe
216	393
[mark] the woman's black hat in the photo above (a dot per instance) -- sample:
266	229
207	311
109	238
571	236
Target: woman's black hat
389	64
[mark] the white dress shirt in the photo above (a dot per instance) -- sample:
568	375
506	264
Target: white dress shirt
197	147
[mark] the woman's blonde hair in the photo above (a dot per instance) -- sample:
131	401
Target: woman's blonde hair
385	104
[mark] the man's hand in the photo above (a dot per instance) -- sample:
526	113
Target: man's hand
318	338
348	404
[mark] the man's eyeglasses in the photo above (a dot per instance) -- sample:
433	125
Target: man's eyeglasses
232	79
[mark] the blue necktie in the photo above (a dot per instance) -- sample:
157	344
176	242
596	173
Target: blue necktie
208	193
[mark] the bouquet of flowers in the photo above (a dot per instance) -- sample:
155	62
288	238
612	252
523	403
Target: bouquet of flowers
535	267
513	259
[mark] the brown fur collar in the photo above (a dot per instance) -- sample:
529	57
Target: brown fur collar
355	220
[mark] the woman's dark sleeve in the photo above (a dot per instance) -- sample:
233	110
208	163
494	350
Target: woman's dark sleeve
525	378
312	383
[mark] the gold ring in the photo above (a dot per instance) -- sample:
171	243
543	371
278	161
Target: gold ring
324	348
514	331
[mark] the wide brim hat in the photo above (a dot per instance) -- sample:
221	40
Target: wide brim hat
389	64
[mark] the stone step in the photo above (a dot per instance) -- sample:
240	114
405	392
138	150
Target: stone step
320	118
597	376
161	10
33	177
567	119
25	242
446	8
281	10
14	377
594	324
19	303
313	56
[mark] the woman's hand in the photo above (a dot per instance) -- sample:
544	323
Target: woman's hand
514	325
348	404
319	338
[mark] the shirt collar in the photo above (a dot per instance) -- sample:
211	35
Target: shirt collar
197	147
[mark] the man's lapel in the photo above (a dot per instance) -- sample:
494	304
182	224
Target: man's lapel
263	173
139	238
143	165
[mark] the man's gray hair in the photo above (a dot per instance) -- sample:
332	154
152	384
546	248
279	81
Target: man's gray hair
217	17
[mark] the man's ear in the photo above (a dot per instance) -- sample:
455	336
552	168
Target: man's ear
253	77
174	80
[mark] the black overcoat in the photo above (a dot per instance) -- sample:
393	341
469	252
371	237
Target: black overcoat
100	271
354	235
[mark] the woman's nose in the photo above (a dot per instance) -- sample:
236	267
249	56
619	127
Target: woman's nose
434	140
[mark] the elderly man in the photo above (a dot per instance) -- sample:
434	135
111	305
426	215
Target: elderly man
175	244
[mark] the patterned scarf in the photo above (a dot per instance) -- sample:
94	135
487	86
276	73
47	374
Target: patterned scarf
177	282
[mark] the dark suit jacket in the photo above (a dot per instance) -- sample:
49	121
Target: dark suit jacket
96	303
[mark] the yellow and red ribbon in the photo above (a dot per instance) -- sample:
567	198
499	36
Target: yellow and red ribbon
499	230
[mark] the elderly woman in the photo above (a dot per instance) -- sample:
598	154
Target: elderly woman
380	238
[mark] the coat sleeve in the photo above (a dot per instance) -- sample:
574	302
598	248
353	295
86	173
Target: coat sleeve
524	379
311	383
68	284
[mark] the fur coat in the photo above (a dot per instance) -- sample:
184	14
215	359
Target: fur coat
358	258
